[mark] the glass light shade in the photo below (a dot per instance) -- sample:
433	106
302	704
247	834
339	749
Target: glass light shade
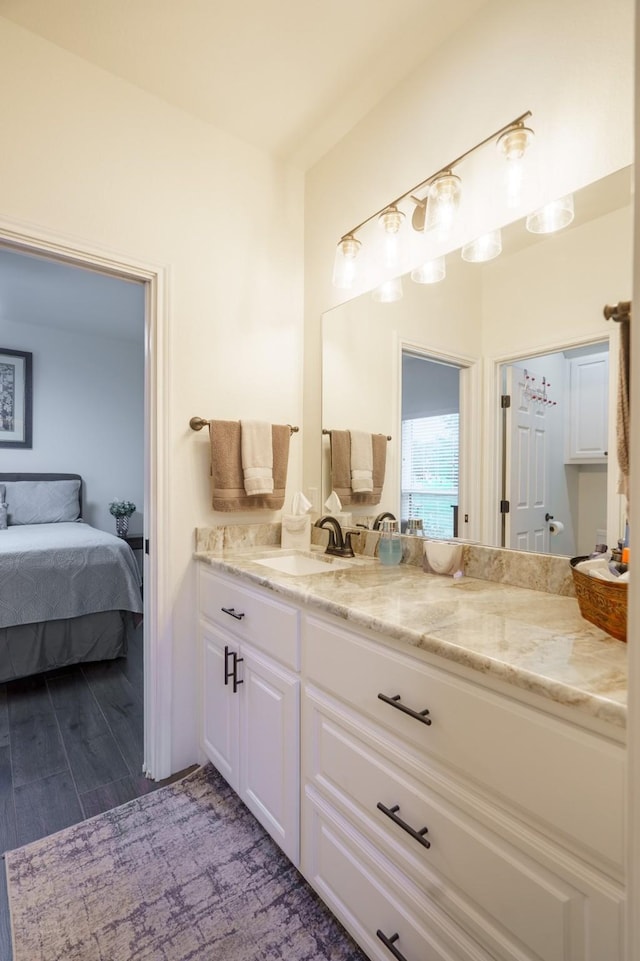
551	217
391	221
443	200
513	145
345	266
483	248
431	272
389	291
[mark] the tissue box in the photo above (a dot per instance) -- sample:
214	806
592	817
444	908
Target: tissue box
296	531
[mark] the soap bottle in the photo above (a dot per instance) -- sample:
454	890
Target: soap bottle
390	543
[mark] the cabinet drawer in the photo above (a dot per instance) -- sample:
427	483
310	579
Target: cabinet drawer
271	626
369	895
560	775
471	872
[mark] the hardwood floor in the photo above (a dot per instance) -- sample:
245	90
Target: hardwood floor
71	746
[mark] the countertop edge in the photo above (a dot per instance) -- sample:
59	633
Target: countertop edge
297	590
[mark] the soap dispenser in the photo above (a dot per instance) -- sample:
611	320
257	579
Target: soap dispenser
390	543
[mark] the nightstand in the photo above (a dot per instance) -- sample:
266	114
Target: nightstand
135	542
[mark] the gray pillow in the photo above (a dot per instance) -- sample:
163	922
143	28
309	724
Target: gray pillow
3	509
43	502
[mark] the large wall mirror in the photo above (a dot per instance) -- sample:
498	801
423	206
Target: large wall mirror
429	371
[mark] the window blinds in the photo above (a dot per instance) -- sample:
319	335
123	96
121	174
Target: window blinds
429	487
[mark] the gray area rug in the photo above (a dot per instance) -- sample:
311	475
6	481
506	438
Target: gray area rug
185	873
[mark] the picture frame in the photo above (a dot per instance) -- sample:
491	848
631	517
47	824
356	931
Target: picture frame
16	398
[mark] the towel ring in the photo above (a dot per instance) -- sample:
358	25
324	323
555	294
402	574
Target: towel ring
197	423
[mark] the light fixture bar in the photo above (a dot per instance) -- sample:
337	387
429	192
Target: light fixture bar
447	168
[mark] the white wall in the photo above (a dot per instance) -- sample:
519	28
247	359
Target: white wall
571	64
90	157
553	293
88	414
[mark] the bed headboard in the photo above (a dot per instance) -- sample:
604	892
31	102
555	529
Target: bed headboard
44	477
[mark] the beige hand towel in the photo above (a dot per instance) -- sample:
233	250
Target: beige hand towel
227	482
257	457
341	465
281	436
361	462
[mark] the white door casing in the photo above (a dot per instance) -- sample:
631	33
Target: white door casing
158	634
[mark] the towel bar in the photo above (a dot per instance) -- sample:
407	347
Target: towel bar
619	312
325	431
197	423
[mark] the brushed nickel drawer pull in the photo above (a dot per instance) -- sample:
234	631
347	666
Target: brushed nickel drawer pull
393	814
227	672
395	702
232	612
236	660
389	943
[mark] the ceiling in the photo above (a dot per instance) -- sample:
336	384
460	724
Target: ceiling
289	76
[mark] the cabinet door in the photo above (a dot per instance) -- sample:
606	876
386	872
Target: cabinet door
269	747
220	706
588	406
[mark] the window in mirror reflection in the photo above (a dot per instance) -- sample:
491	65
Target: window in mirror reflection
430	444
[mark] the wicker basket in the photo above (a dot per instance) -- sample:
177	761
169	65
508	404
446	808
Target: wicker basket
604	603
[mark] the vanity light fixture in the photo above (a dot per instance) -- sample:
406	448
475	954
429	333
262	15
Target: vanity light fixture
344	268
484	248
443	200
513	145
391	221
436	210
431	272
388	291
553	216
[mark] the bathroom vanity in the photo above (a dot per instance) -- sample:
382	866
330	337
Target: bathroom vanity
443	760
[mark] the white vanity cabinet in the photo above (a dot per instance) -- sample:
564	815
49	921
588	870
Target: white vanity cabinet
443	819
250	710
587	410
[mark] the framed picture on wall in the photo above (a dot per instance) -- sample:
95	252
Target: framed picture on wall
15	398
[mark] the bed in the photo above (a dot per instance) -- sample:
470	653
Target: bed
69	592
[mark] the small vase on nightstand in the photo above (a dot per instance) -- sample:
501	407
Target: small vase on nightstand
122	526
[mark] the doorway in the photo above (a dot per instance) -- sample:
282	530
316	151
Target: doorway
157	630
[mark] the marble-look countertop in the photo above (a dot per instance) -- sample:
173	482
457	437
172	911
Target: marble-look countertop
536	641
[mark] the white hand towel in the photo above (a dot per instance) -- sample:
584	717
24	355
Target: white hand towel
257	457
361	461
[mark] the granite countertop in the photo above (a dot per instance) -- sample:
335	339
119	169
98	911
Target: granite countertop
536	641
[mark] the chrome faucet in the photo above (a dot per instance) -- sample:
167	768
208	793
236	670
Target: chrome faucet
386	515
339	544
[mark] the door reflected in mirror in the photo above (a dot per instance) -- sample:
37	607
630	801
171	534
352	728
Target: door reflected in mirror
555	451
543	297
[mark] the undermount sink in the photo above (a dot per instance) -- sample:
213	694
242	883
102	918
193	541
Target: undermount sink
301	564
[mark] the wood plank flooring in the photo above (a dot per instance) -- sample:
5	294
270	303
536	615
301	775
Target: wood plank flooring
71	747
